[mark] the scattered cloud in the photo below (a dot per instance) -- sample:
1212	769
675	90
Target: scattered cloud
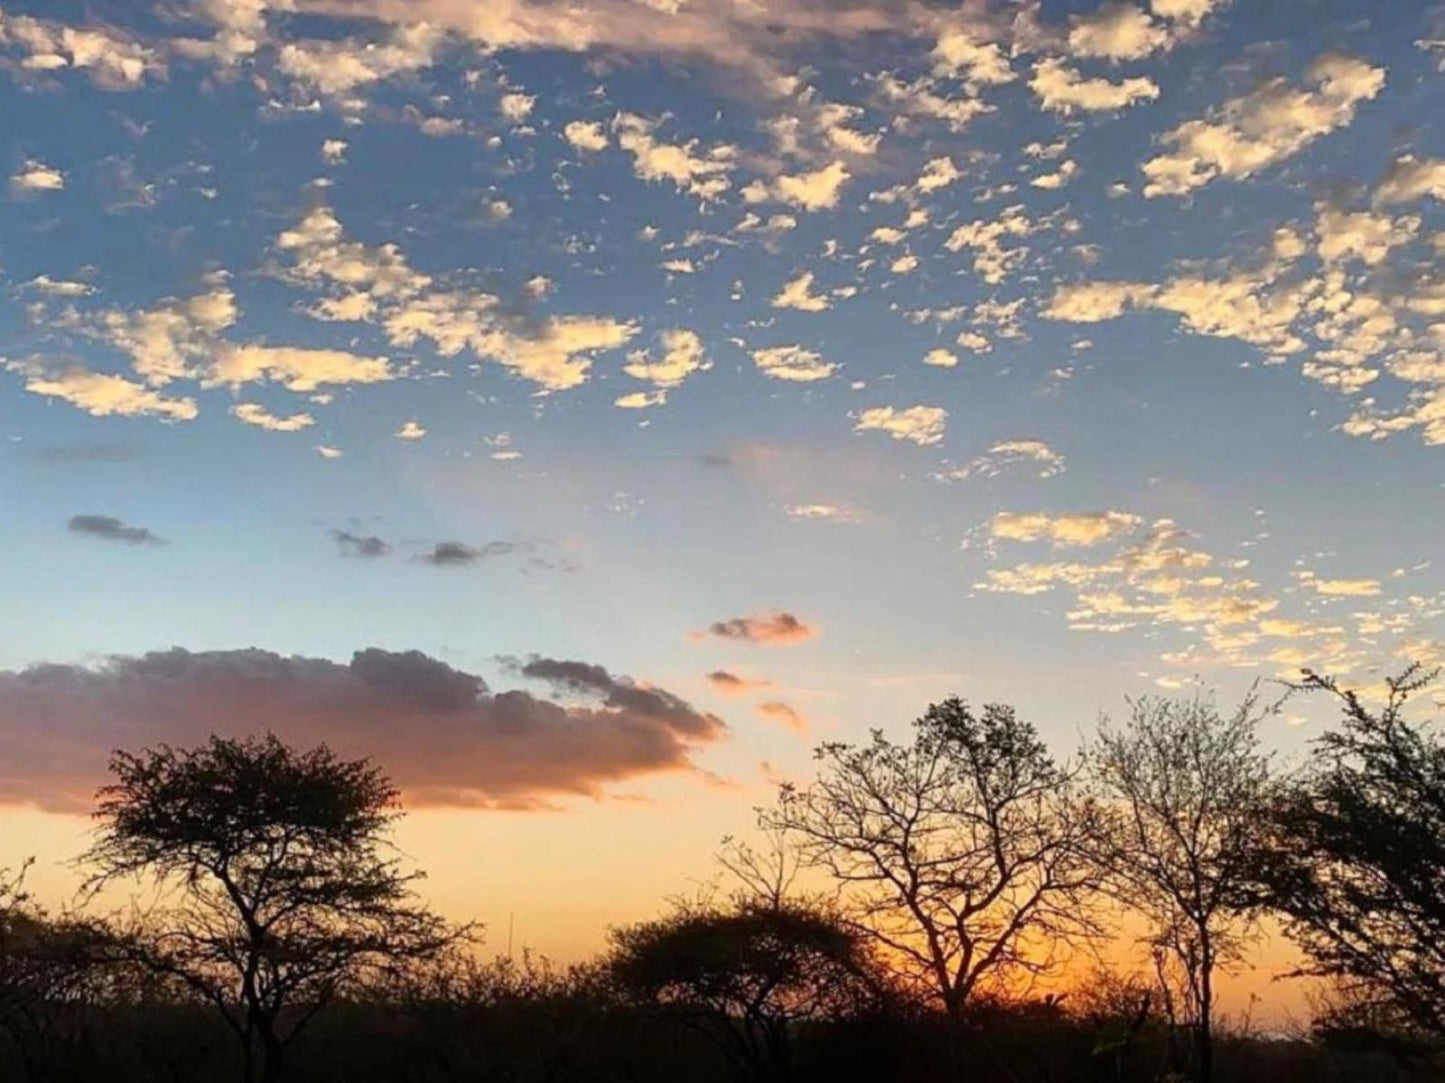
109	528
1079	529
922	425
776	627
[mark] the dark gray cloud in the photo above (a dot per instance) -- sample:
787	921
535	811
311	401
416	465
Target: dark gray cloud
112	529
452	554
360	545
440	732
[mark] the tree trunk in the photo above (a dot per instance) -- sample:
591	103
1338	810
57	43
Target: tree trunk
1205	1033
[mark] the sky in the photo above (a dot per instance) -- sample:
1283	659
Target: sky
585	408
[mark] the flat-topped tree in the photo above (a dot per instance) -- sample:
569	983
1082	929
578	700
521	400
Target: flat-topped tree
278	883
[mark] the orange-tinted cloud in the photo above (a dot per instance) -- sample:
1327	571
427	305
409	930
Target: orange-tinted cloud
777	711
441	733
775	627
732	684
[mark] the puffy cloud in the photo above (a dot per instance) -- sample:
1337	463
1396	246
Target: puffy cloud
100	394
938	357
516	107
704	176
682	355
793	363
1190	12
1116	31
333	151
922	98
1093	302
1346	588
640	400
254	414
337	68
59	287
35	176
1087	528
992	260
587	136
777	627
922	425
410	430
1410	178
379	284
1061	89
113	60
778	711
109	528
960	54
799	294
297	369
444	736
1361	235
937	173
1264	127
815	191
1059	177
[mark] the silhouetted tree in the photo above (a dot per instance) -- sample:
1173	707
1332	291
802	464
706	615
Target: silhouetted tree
283	885
962	853
747	974
1186	789
1356	863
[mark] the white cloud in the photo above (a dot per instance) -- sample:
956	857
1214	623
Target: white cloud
333	151
1264	127
1061	89
992	260
959	54
516	107
254	414
1081	529
704	176
99	394
36	176
1035	455
411	430
798	294
922	425
337	68
682	355
1361	235
295	368
940	358
815	191
792	363
1059	177
1116	31
1411	178
587	136
640	400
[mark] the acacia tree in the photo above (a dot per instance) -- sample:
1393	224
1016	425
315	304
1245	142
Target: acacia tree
1185	788
1356	861
963	854
284	887
745	975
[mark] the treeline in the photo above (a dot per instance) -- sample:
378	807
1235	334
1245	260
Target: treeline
901	919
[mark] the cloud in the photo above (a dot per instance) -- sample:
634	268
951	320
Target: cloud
682	355
35	176
297	369
59	287
778	711
1410	178
99	394
777	627
1093	302
360	545
1361	235
378	284
1116	31
701	175
114	61
1347	588
587	136
1262	128
1089	528
1061	89
112	529
253	414
831	513
992	260
793	363
410	430
453	554
922	425
798	294
440	732
732	684
337	68
815	191
1008	454
640	400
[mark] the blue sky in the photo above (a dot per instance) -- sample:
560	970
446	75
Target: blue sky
1036	352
